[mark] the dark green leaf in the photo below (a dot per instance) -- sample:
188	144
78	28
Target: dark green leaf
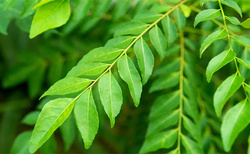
233	20
207	14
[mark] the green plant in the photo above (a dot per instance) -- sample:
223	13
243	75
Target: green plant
154	46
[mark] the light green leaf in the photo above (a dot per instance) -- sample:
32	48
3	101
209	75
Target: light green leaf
233	20
186	10
202	2
158	40
218	62
110	95
120	42
234	121
219	34
51	15
21	143
31	118
180	19
89	69
41	3
192	128
165	82
86	117
169	30
146	16
232	4
246	23
244	62
145	59
207	14
130	75
191	146
131	28
225	91
81	8
67	86
159	140
242	40
53	114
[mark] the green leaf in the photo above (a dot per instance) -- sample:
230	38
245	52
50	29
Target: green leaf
121	7
131	28
86	117
120	42
225	91
202	2
170	65
186	10
158	40
191	109
49	146
219	34
159	140
246	23
31	118
233	5
146	16
218	62
242	40
81	8
233	20
180	19
110	95
169	30
145	59
67	86
21	143
248	151
89	69
165	82
48	16
43	2
101	7
207	14
234	121
244	62
191	146
130	75
53	114
192	128
27	10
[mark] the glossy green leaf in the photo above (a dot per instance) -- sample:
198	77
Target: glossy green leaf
165	82
207	14
233	20
169	30
192	128
131	28
86	117
145	59
246	23
110	95
219	34
120	42
89	69
67	86
21	143
81	8
158	141
180	19
130	75
244	62
234	121
31	118
218	62
225	91
51	15
191	146
53	114
242	40
232	4
158	40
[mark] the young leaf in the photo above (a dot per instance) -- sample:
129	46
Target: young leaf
53	114
130	75
242	40
67	86
110	95
21	143
86	117
248	151
225	91
233	5
246	23
191	146
218	62
131	28
233	20
234	121
180	19
158	40
51	15
206	15
169	30
31	118
145	59
159	140
219	34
